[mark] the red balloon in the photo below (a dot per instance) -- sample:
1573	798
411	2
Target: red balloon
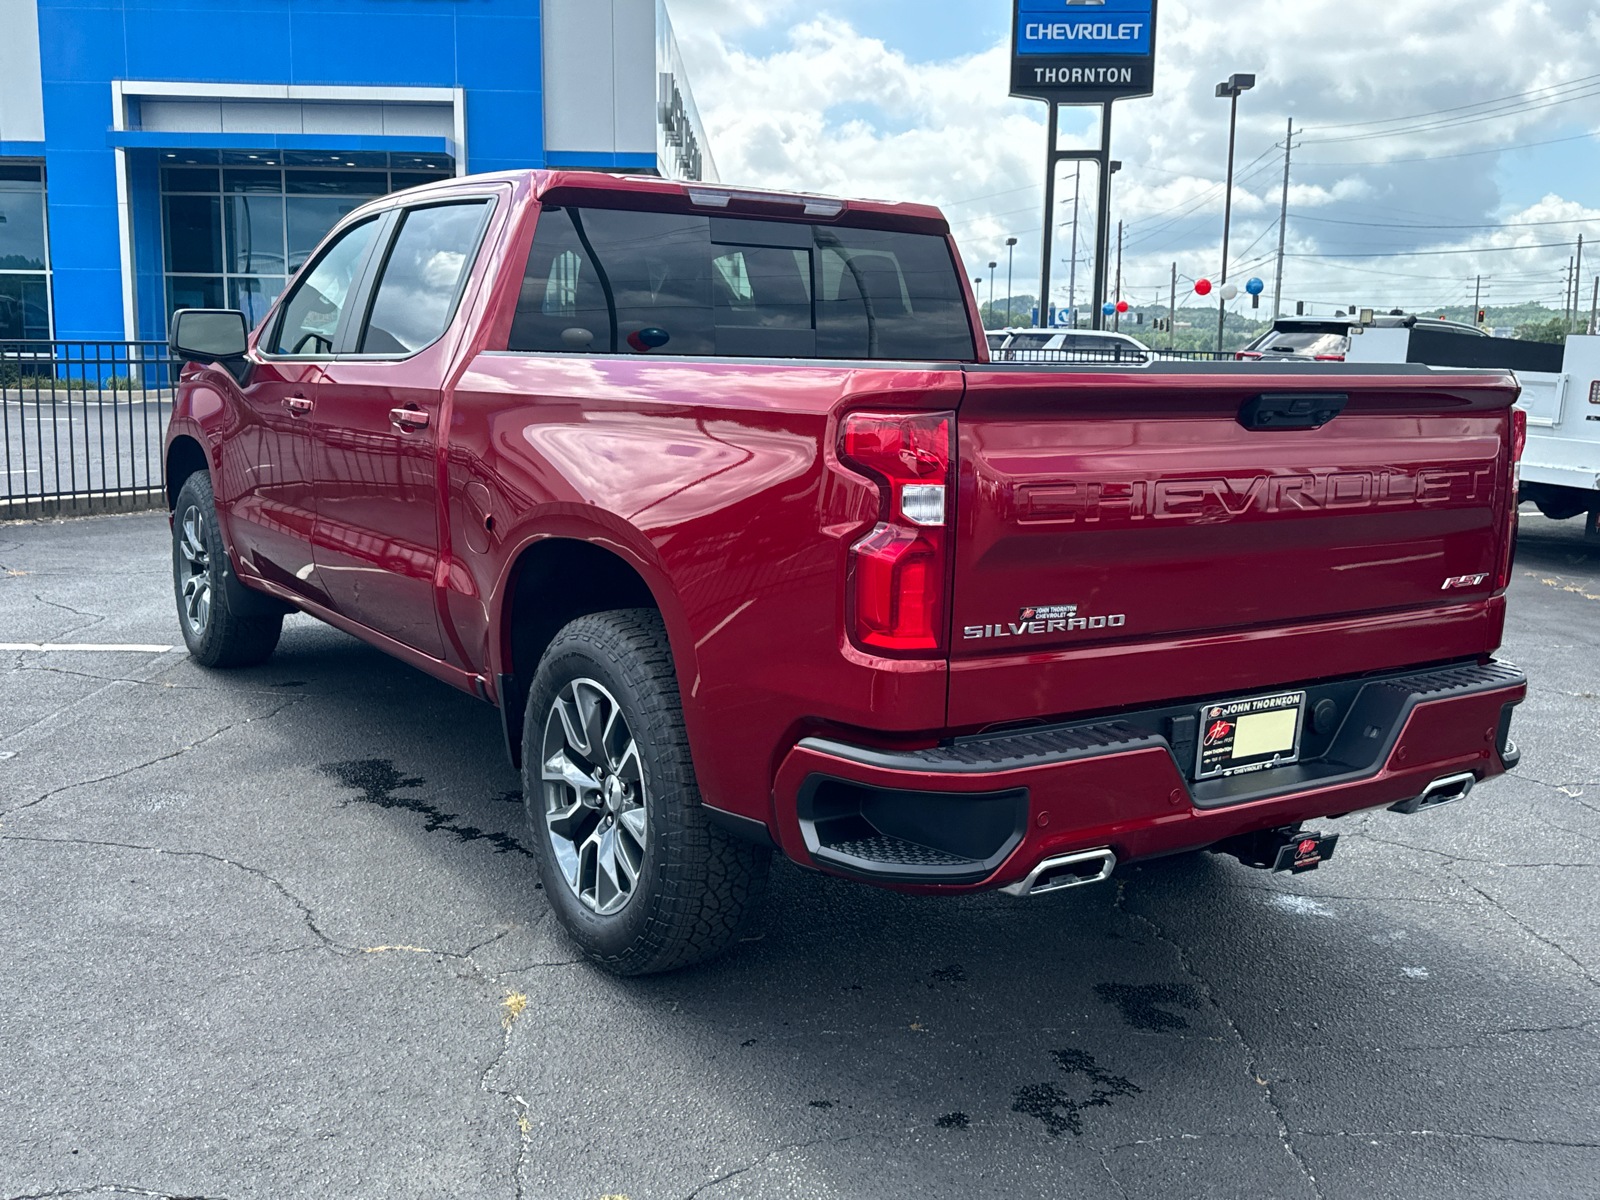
1202	287
1122	306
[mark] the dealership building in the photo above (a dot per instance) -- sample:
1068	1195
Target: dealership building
163	154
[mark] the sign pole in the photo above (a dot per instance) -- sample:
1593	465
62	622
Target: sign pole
1081	56
1102	218
1052	126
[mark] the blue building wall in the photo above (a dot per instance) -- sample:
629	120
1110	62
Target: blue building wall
490	48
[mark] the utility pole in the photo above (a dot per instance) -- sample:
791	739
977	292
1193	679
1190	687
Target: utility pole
1283	221
1072	271
1477	299
1172	308
1236	86
1594	308
1116	320
1577	273
1566	294
1011	254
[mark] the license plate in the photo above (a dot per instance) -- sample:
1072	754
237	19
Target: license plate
1249	735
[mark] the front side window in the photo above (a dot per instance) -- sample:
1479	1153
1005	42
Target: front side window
608	281
311	313
422	278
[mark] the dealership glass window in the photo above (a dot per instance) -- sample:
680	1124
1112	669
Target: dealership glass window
236	227
24	253
603	280
427	265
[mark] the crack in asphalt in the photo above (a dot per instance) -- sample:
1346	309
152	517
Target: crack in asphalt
765	1158
305	909
1446	1133
157	665
97	618
100	1189
1250	1058
1451	858
1105	1166
182	750
1576	962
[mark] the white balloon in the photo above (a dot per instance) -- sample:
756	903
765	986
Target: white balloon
1229	291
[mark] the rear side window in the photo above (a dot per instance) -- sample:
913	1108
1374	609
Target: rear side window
1306	343
422	277
608	281
311	313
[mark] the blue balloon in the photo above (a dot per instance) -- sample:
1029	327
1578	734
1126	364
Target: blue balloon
1254	286
1108	308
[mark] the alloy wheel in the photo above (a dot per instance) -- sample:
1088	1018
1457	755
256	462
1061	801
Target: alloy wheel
195	571
594	796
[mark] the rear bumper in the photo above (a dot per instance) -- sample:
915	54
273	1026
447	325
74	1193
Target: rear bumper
983	812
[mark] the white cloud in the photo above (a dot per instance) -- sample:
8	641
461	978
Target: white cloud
833	110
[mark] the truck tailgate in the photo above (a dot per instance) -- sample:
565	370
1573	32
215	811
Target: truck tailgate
1124	538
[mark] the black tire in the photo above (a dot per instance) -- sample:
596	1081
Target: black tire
217	634
1561	508
696	887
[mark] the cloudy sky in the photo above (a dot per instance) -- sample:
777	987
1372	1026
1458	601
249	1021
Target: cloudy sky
1436	136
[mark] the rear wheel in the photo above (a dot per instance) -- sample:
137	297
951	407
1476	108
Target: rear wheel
634	871
216	634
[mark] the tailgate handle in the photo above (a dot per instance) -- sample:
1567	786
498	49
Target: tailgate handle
1292	410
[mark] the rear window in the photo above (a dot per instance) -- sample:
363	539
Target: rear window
1029	341
608	281
1304	343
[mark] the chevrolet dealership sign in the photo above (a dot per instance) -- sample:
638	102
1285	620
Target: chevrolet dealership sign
1083	51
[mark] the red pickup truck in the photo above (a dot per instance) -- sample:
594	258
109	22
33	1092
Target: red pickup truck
716	496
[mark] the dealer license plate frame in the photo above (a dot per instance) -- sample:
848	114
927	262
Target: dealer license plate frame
1211	763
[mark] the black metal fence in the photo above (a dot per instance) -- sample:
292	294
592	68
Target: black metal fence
82	424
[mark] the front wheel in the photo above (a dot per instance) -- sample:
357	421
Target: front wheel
217	635
634	871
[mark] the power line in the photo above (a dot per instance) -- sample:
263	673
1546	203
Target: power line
1582	79
1436	126
1414	253
1400	225
1386	162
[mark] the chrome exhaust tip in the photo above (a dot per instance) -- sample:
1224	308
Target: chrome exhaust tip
1065	871
1441	791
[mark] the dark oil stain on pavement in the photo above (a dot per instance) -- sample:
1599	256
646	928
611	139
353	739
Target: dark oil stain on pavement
953	1120
378	781
1141	1003
1057	1108
954	973
822	1104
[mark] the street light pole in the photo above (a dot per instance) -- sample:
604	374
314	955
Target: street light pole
992	266
1231	90
1011	254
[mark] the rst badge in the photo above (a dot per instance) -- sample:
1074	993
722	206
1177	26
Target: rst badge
1045	618
1462	581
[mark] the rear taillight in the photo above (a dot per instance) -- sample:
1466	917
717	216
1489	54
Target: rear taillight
1328	357
1242	355
1519	442
897	572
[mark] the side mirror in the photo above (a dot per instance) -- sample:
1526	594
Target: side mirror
208	335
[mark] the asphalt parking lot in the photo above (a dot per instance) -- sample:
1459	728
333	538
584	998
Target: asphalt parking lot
274	933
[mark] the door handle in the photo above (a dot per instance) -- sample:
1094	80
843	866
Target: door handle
415	418
298	406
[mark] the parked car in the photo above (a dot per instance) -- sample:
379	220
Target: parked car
1069	345
711	494
1328	339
